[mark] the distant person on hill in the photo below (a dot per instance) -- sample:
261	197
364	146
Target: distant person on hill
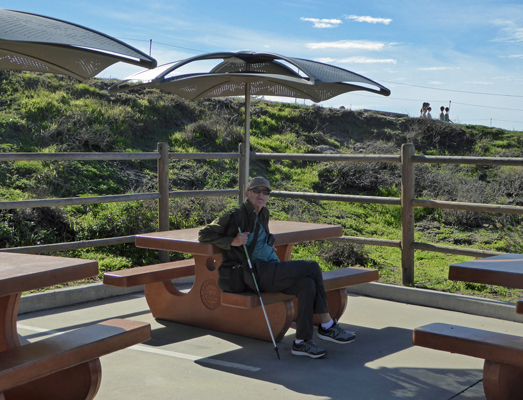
424	108
447	119
442	113
429	115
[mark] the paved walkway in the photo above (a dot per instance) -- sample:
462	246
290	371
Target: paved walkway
183	362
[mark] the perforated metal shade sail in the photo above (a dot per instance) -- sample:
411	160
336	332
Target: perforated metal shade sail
30	42
265	73
195	87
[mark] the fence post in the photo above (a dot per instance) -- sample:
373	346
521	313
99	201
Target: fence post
407	214
163	189
242	179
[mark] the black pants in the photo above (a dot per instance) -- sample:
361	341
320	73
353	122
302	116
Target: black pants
302	279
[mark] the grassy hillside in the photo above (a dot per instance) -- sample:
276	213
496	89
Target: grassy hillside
45	113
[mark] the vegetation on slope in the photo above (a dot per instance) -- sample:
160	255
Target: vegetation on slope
45	113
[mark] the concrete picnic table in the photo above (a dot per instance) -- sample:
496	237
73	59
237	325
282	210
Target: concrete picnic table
202	305
503	270
62	367
24	272
503	353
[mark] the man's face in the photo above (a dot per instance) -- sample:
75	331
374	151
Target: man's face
258	200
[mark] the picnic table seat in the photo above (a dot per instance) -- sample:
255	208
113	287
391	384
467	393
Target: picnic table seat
336	282
519	307
234	306
149	274
66	366
503	355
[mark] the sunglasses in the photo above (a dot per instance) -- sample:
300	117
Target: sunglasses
264	191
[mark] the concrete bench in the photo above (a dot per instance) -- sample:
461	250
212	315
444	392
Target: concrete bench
149	274
335	281
503	355
66	366
238	311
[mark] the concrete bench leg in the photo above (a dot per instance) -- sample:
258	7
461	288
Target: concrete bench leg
8	314
337	302
202	307
76	383
502	381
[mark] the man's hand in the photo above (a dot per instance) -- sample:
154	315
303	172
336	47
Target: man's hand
240	239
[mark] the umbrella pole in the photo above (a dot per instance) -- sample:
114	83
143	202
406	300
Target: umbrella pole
247	130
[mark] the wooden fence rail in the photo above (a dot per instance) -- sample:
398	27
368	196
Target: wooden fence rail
455	205
77	156
407	159
76	201
84	244
327	157
391	201
517	162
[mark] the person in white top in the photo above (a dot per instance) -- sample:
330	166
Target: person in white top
423	111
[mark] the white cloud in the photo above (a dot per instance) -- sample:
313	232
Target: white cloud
509	33
516	56
479	83
348	44
509	78
326	60
435	68
435	83
364	60
323	23
370	20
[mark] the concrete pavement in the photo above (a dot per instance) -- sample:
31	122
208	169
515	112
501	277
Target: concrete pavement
184	362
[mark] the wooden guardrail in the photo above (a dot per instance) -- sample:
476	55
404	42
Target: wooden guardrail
407	159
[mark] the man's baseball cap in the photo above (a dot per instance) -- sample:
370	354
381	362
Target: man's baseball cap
258	181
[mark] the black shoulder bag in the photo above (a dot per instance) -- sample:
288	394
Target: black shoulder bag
230	279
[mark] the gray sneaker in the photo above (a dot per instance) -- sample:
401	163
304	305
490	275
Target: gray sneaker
307	348
336	334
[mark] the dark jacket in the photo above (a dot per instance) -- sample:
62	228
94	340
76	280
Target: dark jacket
222	231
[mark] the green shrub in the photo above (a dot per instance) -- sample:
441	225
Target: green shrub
98	221
342	255
34	226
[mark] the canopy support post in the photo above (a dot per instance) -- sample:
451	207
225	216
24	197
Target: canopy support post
247	130
242	185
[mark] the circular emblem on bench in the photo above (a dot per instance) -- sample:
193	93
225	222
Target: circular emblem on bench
210	294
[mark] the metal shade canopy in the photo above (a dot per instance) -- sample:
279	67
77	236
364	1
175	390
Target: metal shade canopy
265	72
31	42
260	74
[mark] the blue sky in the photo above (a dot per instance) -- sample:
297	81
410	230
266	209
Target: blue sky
464	52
